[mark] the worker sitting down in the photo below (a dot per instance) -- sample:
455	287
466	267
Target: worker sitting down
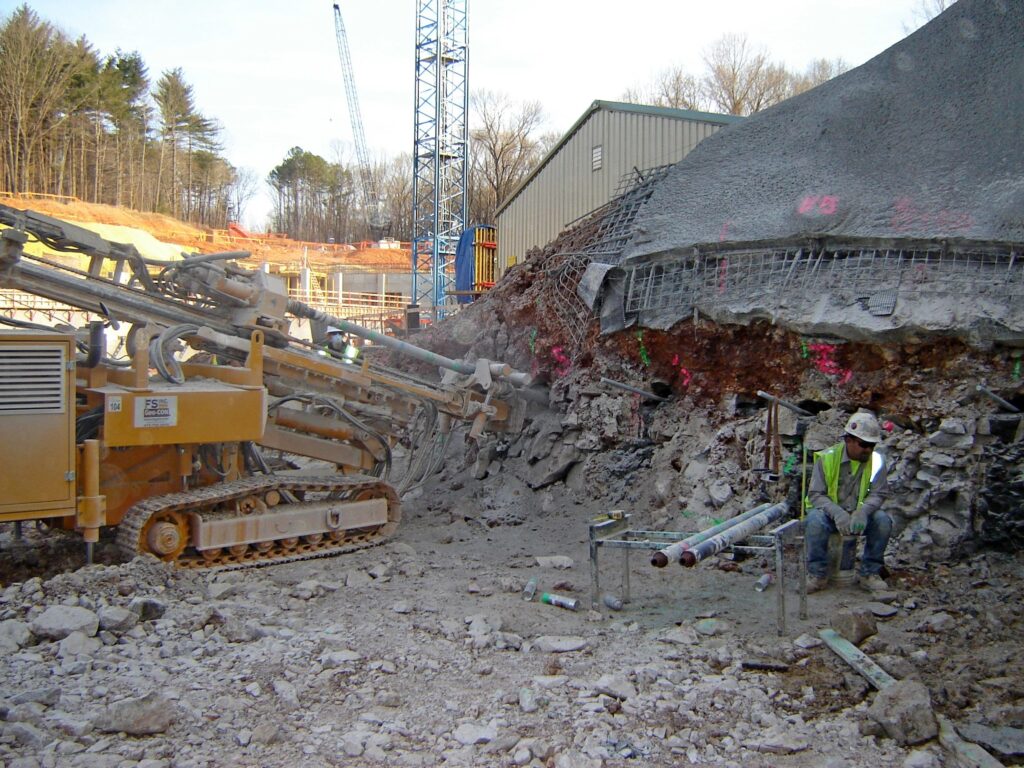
848	486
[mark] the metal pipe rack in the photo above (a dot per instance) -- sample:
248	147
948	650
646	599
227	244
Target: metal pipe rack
614	531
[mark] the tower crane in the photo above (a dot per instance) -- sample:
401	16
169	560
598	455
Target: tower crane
376	218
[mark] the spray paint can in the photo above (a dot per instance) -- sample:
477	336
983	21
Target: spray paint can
764	582
614	602
530	589
569	603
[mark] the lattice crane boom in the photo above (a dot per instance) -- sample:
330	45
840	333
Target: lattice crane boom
371	199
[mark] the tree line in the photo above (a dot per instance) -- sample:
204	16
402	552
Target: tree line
739	78
74	122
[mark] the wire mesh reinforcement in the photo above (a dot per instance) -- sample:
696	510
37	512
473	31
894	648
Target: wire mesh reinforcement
612	226
878	278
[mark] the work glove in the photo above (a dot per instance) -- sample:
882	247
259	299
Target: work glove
858	522
842	520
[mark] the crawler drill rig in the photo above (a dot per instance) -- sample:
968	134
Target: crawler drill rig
219	440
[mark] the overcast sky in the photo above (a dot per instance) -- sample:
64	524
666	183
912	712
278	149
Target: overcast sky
268	70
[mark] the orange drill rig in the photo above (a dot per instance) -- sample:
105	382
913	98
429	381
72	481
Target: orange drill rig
219	440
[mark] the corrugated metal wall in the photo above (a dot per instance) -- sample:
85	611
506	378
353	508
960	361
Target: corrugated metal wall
568	187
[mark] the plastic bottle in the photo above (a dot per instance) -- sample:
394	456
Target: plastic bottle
530	589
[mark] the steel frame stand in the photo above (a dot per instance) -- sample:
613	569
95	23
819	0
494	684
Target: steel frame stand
615	533
440	149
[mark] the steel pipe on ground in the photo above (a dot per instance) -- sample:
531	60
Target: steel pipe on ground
733	535
662	557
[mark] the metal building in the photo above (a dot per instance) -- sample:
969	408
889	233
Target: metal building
583	171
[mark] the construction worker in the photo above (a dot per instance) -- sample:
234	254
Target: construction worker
339	341
335	339
848	486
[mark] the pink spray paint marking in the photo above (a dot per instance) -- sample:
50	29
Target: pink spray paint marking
908	217
825	361
823	205
562	363
685	377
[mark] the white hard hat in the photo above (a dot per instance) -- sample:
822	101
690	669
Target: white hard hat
864	426
332	329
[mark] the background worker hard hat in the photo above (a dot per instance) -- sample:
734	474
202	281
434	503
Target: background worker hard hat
331	329
864	426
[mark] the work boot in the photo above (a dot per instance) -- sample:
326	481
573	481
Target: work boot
816	584
872	583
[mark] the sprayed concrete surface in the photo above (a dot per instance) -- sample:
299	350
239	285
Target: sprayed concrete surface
923	141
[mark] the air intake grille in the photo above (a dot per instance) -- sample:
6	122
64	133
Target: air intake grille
31	379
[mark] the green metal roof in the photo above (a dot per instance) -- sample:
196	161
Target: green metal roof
618	106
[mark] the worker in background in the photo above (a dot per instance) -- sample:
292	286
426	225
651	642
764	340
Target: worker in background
338	341
849	484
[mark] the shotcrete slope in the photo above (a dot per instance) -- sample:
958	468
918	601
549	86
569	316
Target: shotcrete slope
923	141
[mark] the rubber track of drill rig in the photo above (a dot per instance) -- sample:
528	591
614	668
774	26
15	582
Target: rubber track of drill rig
202	500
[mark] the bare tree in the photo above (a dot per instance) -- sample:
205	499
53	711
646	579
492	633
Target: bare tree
503	149
674	88
242	189
396	192
740	78
926	11
818	71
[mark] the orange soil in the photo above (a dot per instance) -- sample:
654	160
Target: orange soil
276	249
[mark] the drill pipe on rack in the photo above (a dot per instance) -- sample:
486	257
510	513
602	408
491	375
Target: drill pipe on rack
734	534
662	557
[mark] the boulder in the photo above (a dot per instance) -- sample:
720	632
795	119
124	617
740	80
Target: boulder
59	621
904	710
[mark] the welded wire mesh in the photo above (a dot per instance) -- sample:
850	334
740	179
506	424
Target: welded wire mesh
878	278
612	228
574	313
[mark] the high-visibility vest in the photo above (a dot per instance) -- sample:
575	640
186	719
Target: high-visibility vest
831	459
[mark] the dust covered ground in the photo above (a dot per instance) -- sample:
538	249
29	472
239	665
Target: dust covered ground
423	652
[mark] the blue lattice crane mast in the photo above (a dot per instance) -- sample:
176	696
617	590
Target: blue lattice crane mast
441	141
372	205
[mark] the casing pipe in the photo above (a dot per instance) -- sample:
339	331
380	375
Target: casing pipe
997	399
663	557
736	533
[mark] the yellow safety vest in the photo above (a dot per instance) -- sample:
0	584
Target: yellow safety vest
831	459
